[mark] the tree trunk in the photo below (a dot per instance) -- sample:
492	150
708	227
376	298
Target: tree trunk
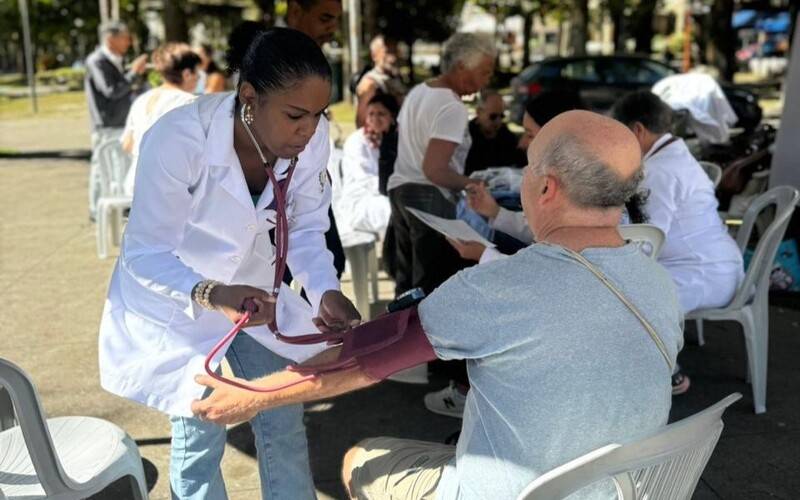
175	27
643	25
616	10
526	39
721	46
411	76
579	26
369	18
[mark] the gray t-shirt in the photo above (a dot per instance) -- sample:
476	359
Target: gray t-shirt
558	365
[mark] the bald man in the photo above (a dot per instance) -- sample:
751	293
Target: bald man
559	364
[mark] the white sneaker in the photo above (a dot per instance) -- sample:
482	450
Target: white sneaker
449	401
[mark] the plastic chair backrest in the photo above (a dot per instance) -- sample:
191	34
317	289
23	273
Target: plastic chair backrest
784	199
713	171
32	422
645	233
114	163
7	419
663	464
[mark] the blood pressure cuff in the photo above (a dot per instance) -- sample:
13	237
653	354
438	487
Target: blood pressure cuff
381	347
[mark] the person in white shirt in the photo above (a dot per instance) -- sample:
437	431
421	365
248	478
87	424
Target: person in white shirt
701	257
198	247
178	66
361	206
433	143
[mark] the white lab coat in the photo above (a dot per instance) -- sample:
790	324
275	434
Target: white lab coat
700	255
193	218
361	206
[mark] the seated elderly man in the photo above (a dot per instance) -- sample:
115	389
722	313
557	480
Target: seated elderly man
493	144
559	364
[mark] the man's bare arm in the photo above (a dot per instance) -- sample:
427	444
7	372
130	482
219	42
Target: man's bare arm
229	404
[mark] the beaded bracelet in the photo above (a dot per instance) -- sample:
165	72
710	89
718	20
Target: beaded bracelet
202	293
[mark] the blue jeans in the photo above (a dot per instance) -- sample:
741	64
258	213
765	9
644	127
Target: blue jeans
280	438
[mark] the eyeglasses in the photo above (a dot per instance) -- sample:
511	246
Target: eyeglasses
496	116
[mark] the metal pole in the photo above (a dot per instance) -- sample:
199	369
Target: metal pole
115	10
103	11
26	36
354	25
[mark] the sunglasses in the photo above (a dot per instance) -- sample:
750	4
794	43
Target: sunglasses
496	116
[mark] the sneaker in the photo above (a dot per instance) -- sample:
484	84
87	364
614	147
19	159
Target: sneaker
449	401
680	383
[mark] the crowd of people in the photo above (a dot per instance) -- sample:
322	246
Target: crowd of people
547	361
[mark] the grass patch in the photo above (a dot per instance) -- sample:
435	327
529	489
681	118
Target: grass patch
343	112
66	104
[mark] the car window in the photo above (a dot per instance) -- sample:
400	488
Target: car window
582	70
541	70
633	71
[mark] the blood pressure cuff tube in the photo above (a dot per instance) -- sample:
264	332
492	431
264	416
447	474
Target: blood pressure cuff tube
381	347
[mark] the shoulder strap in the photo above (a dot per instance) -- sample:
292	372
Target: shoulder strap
647	326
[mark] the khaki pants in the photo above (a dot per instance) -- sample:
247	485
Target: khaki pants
398	469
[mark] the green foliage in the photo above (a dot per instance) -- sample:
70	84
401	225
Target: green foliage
430	20
62	30
71	77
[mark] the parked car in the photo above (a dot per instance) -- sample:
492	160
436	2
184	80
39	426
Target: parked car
601	80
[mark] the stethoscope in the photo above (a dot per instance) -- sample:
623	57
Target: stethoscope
281	251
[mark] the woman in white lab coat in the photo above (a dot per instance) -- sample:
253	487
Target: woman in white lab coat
199	244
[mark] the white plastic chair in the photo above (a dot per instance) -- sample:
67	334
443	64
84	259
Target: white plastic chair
359	247
665	464
713	171
113	165
646	235
750	305
63	458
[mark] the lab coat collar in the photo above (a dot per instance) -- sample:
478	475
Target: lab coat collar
661	140
220	153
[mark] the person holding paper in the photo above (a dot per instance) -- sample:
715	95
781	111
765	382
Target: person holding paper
538	112
558	363
433	143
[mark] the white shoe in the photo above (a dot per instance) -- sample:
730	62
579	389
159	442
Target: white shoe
449	401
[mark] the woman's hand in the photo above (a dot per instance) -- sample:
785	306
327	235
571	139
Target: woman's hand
234	300
480	199
336	313
469	250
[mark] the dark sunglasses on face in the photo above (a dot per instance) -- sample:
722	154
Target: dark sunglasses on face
496	116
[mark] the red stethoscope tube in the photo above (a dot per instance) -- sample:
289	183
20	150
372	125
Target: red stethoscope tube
281	252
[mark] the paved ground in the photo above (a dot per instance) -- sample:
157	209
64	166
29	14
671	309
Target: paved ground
53	286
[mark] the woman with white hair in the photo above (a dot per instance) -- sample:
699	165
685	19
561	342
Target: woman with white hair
433	144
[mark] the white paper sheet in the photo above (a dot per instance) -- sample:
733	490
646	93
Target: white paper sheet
455	229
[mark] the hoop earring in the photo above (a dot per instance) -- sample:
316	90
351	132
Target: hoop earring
247	114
